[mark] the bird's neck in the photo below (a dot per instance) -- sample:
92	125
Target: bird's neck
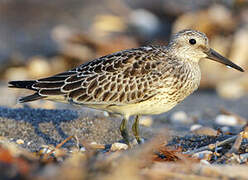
183	54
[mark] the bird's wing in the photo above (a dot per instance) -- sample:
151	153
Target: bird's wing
120	78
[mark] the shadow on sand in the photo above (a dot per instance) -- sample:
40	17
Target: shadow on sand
38	116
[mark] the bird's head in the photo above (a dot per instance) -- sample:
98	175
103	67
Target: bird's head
193	45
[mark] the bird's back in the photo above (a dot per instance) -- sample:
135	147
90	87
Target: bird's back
120	78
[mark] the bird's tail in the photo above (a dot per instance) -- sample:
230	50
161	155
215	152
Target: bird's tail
22	84
29	98
26	85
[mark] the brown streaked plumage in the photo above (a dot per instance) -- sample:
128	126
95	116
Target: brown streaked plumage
145	80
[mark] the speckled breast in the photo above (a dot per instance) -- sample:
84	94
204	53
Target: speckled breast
180	83
171	90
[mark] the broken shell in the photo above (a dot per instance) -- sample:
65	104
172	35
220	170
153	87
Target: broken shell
118	146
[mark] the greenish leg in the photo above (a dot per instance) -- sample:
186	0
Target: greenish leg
124	131
135	129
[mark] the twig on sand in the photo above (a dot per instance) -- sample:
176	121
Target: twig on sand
237	139
213	146
61	144
243	134
66	140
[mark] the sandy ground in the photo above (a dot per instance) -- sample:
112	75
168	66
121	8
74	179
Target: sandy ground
39	127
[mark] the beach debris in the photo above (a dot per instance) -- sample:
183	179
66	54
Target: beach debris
195	127
180	117
19	141
205	131
204	155
118	147
226	120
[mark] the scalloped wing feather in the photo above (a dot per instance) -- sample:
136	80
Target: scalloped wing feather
125	77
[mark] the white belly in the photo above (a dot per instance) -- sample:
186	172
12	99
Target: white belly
155	105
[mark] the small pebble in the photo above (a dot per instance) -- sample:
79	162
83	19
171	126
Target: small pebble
44	150
134	142
195	127
118	146
180	117
243	157
204	155
82	149
146	121
205	131
226	120
105	113
205	162
94	145
19	141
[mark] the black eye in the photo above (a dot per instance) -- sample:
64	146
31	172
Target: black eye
192	41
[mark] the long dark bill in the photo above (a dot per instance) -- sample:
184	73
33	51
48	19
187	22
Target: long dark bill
212	54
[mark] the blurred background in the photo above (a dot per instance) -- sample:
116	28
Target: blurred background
39	38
